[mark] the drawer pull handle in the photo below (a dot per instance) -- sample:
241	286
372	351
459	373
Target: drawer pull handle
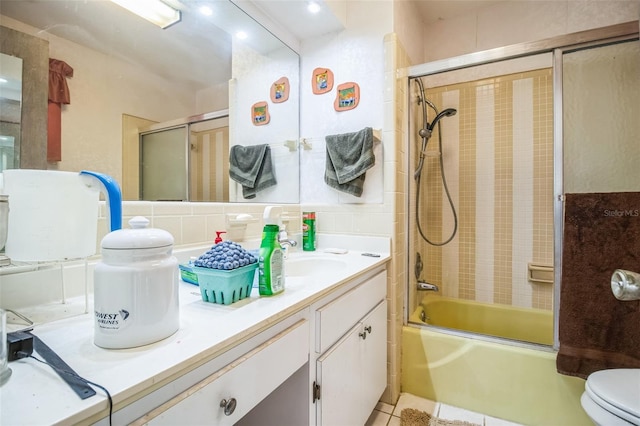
368	329
229	406
363	335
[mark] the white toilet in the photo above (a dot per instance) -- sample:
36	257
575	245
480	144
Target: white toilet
612	397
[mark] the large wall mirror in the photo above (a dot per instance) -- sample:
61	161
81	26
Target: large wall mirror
127	76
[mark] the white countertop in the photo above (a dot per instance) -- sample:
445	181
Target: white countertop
35	394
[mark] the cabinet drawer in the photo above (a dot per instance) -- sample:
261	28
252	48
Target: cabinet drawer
334	319
249	380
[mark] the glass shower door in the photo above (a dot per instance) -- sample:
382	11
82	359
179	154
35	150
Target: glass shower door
164	165
601	88
497	155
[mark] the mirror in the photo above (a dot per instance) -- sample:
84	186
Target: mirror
10	110
130	75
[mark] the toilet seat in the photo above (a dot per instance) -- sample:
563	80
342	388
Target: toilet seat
598	415
617	391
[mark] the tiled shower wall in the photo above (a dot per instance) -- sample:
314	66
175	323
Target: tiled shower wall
210	164
498	161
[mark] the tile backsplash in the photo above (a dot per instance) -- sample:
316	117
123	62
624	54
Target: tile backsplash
196	223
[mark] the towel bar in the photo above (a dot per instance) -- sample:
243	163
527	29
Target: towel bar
307	143
292	145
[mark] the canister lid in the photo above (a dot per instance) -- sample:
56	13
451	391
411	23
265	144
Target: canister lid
137	237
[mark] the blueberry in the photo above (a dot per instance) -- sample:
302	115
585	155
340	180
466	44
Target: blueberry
226	255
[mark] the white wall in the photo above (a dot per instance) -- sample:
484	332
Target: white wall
355	54
410	29
512	22
214	98
254	73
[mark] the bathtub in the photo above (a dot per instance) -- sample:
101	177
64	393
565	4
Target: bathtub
525	324
504	379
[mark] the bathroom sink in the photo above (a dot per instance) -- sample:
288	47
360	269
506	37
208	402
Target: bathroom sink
310	266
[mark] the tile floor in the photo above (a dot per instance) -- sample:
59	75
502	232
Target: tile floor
389	415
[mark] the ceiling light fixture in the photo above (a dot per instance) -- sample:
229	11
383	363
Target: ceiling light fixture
313	7
154	11
206	11
241	35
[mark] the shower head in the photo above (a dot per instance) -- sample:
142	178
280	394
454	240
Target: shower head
449	112
446	113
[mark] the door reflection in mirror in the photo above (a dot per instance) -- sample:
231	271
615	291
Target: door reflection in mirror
10	110
189	162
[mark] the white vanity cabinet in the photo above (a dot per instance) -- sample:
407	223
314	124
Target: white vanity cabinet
351	354
226	396
325	365
314	355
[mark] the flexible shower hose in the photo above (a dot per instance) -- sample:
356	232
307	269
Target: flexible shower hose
418	174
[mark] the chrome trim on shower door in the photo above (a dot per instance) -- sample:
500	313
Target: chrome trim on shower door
558	189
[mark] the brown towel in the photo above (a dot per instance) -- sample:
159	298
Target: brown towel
58	88
598	331
58	95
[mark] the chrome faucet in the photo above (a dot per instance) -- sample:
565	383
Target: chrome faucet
422	285
284	240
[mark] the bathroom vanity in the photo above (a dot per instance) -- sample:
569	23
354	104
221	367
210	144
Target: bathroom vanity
315	354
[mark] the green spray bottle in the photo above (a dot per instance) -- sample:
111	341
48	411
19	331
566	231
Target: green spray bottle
271	259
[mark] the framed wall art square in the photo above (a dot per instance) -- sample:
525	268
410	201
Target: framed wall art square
280	90
260	113
322	80
347	96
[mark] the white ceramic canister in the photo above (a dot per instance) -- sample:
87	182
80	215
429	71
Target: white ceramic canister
135	287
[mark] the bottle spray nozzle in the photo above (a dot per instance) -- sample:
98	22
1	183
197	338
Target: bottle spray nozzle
218	237
273	215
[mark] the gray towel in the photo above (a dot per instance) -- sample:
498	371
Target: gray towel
251	167
349	156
